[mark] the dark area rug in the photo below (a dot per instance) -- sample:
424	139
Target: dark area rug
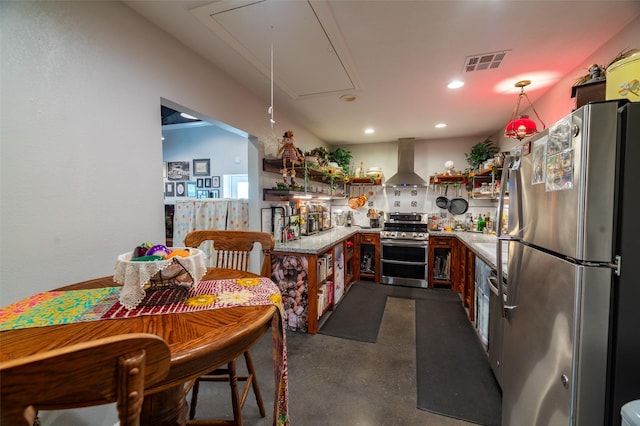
358	315
454	376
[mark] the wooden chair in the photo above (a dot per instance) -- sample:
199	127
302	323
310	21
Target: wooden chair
232	250
113	369
233	247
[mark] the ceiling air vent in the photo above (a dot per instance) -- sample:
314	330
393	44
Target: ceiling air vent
484	61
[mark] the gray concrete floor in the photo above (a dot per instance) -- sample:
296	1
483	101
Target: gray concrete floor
334	381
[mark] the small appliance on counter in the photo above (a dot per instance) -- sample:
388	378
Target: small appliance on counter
374	218
314	217
339	218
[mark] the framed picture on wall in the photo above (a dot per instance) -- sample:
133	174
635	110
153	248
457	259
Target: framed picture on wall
191	189
200	183
201	167
215	181
202	193
215	193
178	170
207	182
169	189
181	189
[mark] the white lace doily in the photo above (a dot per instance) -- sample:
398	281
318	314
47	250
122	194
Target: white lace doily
135	275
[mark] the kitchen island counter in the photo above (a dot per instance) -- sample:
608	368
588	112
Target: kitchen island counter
322	241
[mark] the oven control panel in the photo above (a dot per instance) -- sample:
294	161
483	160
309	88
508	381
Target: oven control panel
397	235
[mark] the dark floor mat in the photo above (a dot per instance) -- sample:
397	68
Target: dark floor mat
454	376
358	315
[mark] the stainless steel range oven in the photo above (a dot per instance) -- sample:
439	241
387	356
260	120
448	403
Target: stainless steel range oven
404	250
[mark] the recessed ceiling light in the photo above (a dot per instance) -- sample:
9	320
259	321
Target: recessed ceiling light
455	84
441	125
348	98
369	131
187	116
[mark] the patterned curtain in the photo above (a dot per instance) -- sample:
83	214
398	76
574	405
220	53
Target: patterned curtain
223	213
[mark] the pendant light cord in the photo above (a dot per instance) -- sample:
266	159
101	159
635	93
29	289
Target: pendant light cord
271	120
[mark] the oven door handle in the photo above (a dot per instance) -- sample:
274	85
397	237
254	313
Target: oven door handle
403	262
401	243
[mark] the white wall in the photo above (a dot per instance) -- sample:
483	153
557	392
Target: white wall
557	102
81	157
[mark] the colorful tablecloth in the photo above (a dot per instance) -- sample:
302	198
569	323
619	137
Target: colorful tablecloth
65	307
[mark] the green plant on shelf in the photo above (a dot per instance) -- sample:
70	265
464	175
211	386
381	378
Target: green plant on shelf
481	152
342	157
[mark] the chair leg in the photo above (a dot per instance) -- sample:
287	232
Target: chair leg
194	399
235	399
253	378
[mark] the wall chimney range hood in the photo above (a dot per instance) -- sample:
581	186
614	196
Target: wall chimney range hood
405	175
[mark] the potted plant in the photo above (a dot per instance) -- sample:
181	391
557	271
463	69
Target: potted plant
321	153
592	86
342	157
481	152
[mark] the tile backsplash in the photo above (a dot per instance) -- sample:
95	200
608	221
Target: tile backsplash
410	200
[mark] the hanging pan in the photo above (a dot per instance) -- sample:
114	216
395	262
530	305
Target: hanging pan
458	205
442	201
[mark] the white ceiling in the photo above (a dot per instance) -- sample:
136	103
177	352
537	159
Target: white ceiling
396	56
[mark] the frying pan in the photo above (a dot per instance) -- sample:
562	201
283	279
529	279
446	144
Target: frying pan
442	201
458	205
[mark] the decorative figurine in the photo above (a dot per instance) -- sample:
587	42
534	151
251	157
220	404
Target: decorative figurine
596	72
288	151
449	167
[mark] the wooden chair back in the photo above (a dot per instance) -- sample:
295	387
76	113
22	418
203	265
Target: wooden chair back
232	248
103	371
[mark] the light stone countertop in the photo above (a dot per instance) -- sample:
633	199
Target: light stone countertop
322	241
483	245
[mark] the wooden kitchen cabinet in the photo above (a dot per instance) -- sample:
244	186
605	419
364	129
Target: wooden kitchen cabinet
350	261
468	295
312	284
368	256
460	281
443	258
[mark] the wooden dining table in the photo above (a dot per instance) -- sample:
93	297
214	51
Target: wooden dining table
199	342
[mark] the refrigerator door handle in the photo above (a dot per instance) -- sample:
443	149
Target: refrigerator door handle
504	182
496	289
507	311
492	284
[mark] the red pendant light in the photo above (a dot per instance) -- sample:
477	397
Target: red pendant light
521	126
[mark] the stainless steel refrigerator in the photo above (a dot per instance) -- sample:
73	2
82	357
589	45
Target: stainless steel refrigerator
571	316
